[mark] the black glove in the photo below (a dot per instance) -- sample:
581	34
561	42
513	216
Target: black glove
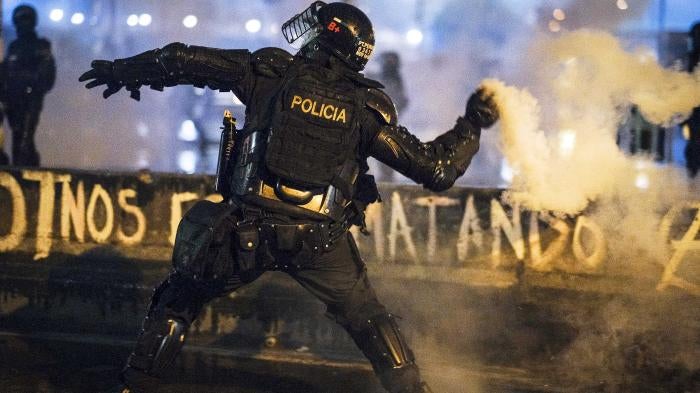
103	73
481	109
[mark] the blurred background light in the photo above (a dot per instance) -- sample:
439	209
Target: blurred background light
78	18
142	129
554	26
145	19
507	173
567	142
143	160
414	36
132	20
188	131
187	161
190	21
56	14
253	25
622	4
642	181
559	14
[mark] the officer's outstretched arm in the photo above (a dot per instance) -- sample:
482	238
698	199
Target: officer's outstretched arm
437	164
174	64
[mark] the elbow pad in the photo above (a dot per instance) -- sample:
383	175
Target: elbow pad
402	151
437	164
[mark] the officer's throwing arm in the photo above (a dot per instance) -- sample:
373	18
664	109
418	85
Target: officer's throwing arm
437	164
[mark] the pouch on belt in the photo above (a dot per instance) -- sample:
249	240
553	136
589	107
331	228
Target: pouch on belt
248	239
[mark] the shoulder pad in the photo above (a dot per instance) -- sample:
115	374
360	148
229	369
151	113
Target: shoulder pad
363	81
382	104
272	62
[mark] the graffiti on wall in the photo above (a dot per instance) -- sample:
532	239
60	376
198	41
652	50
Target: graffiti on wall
39	208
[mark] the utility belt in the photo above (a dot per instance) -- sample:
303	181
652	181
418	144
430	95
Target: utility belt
287	236
262	239
322	204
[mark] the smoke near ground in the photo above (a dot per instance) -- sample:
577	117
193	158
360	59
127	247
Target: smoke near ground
560	135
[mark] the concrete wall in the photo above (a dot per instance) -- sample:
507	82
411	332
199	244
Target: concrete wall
476	281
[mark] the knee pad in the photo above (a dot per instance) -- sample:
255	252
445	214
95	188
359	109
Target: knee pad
179	297
170	346
383	343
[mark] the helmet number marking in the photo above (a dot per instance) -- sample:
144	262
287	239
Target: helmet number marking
364	50
333	26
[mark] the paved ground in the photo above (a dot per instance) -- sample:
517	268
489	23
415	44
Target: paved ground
57	364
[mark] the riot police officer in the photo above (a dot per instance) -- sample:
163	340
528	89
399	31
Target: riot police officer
295	183
28	73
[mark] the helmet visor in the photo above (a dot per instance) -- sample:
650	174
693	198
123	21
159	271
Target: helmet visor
303	27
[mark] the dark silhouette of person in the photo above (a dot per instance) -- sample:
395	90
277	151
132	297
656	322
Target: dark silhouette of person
692	149
4	159
28	73
390	77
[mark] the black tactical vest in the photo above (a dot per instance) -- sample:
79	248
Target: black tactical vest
315	128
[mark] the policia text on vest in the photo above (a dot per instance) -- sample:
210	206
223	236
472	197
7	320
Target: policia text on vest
323	110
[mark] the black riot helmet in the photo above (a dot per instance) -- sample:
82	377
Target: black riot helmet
339	28
24	18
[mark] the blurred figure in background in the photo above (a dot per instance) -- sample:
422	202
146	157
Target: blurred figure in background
692	125
390	77
4	159
28	73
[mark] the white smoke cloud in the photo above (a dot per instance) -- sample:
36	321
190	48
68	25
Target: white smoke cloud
563	147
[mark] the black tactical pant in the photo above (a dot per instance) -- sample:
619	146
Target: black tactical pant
335	274
23	117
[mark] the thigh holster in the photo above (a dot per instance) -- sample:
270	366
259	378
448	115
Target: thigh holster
203	242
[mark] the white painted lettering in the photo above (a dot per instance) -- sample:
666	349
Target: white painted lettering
470	231
598	244
432	203
73	210
399	227
689	242
545	261
176	202
100	235
18	229
514	233
47	194
135	211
